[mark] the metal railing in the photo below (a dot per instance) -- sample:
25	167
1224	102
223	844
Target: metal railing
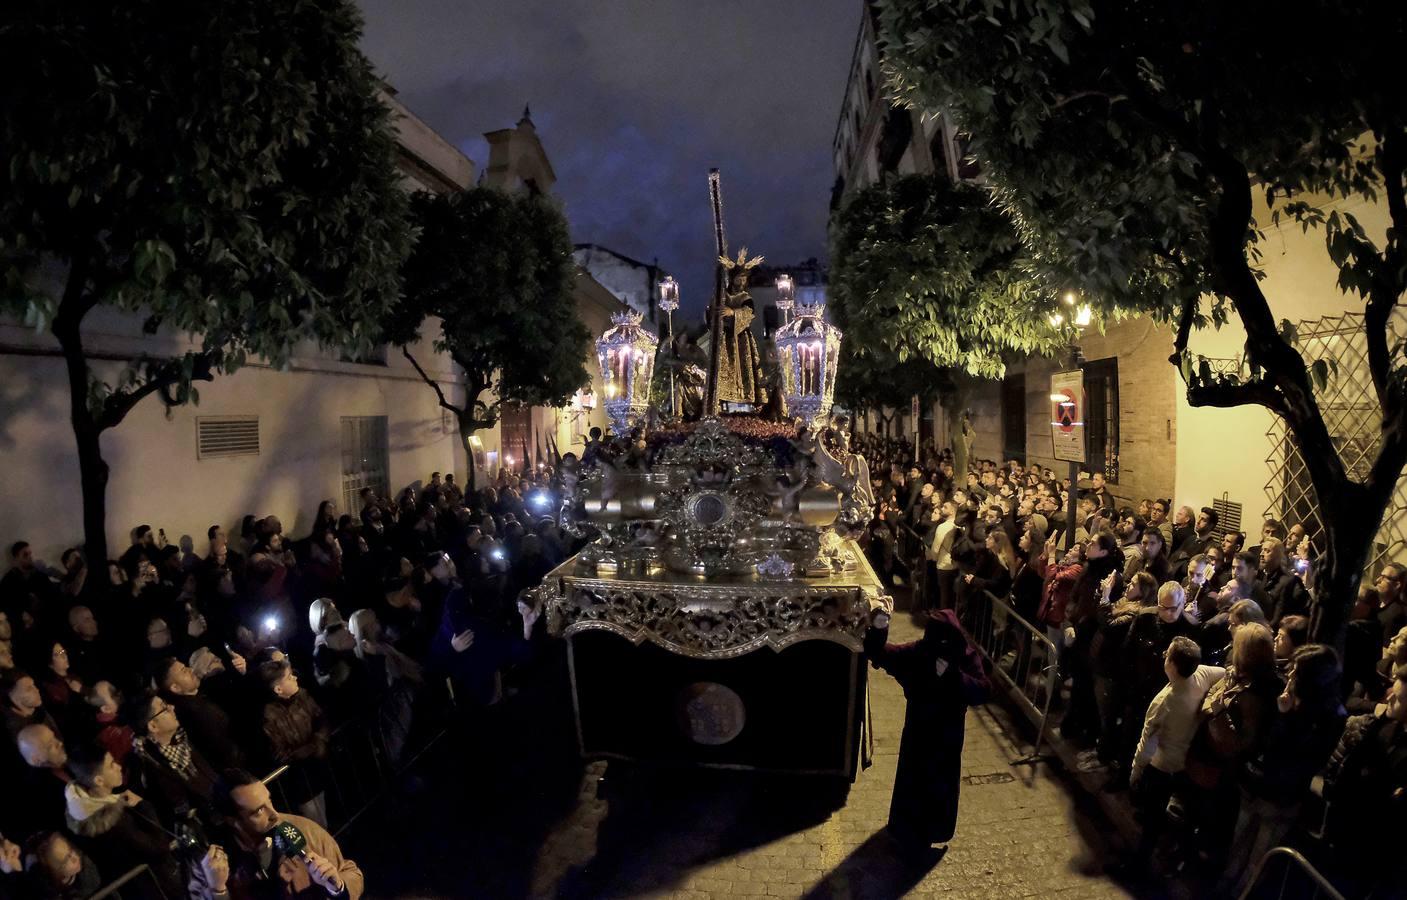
1022	658
1294	862
359	768
139	882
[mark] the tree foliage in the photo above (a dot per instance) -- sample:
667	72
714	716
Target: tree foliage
922	267
496	270
226	170
1128	141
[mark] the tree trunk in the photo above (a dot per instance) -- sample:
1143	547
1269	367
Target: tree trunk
92	469
1349	536
471	484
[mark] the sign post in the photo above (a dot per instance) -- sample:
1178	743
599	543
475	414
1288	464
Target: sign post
1067	435
918	425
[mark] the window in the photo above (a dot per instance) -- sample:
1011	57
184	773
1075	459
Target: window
894	138
364	461
938	149
1102	417
967	166
217	436
1014	418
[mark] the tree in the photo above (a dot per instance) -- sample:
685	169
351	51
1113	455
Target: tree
226	171
496	269
922	268
1128	141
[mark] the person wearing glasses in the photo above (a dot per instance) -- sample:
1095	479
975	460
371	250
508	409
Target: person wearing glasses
171	773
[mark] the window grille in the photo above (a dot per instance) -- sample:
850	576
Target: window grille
1351	412
364	459
218	436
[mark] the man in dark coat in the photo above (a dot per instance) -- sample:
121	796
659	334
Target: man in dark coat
942	676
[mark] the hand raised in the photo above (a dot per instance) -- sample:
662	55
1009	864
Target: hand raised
323	872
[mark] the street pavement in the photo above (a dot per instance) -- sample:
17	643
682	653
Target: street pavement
505	811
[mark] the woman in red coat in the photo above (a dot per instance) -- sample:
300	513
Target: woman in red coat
942	676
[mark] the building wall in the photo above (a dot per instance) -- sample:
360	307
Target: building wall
631	281
1225	450
156	475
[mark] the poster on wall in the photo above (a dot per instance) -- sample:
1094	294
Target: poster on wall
1067	416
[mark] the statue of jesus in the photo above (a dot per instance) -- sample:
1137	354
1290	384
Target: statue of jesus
740	378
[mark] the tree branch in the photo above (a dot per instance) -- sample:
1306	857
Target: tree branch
1224	394
1184	327
439	392
118	404
1080	95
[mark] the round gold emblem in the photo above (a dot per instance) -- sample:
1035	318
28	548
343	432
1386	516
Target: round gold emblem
710	713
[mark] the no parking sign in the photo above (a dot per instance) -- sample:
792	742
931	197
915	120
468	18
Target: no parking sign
1067	416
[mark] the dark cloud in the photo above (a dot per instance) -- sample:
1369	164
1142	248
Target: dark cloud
634	101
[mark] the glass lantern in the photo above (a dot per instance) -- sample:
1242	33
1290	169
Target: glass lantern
809	350
626	353
786	295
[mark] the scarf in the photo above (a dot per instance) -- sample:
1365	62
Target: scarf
177	754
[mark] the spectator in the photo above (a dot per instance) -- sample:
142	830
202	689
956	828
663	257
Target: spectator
1364	786
241	865
208	727
25	591
63	691
120	827
109	732
940	552
1155	555
170	772
297	735
1237	716
392	679
61	871
1283	592
1168	730
1292	634
24	704
1275	781
1392	610
35	801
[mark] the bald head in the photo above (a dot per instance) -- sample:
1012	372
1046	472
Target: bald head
40	747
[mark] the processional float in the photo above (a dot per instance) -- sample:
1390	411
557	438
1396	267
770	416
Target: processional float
716	618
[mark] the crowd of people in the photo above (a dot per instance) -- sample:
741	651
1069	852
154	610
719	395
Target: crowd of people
140	693
1185	666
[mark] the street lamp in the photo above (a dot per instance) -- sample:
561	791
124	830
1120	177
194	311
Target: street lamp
786	295
669	302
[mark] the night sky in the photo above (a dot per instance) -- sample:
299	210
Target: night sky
634	100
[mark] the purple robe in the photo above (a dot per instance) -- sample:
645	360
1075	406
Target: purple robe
924	808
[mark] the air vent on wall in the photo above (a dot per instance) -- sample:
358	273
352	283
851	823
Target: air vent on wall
218	436
1228	516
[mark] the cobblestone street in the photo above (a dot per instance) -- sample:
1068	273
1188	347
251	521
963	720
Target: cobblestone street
523	819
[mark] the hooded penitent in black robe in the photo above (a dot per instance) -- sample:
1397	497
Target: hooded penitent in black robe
924	808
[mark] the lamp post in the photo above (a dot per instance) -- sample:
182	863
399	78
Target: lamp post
786	296
669	302
1079	318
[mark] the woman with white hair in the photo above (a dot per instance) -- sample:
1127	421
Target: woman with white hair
392	679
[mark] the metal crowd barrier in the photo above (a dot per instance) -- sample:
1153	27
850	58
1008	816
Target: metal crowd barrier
138	884
360	766
1260	884
1022	658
